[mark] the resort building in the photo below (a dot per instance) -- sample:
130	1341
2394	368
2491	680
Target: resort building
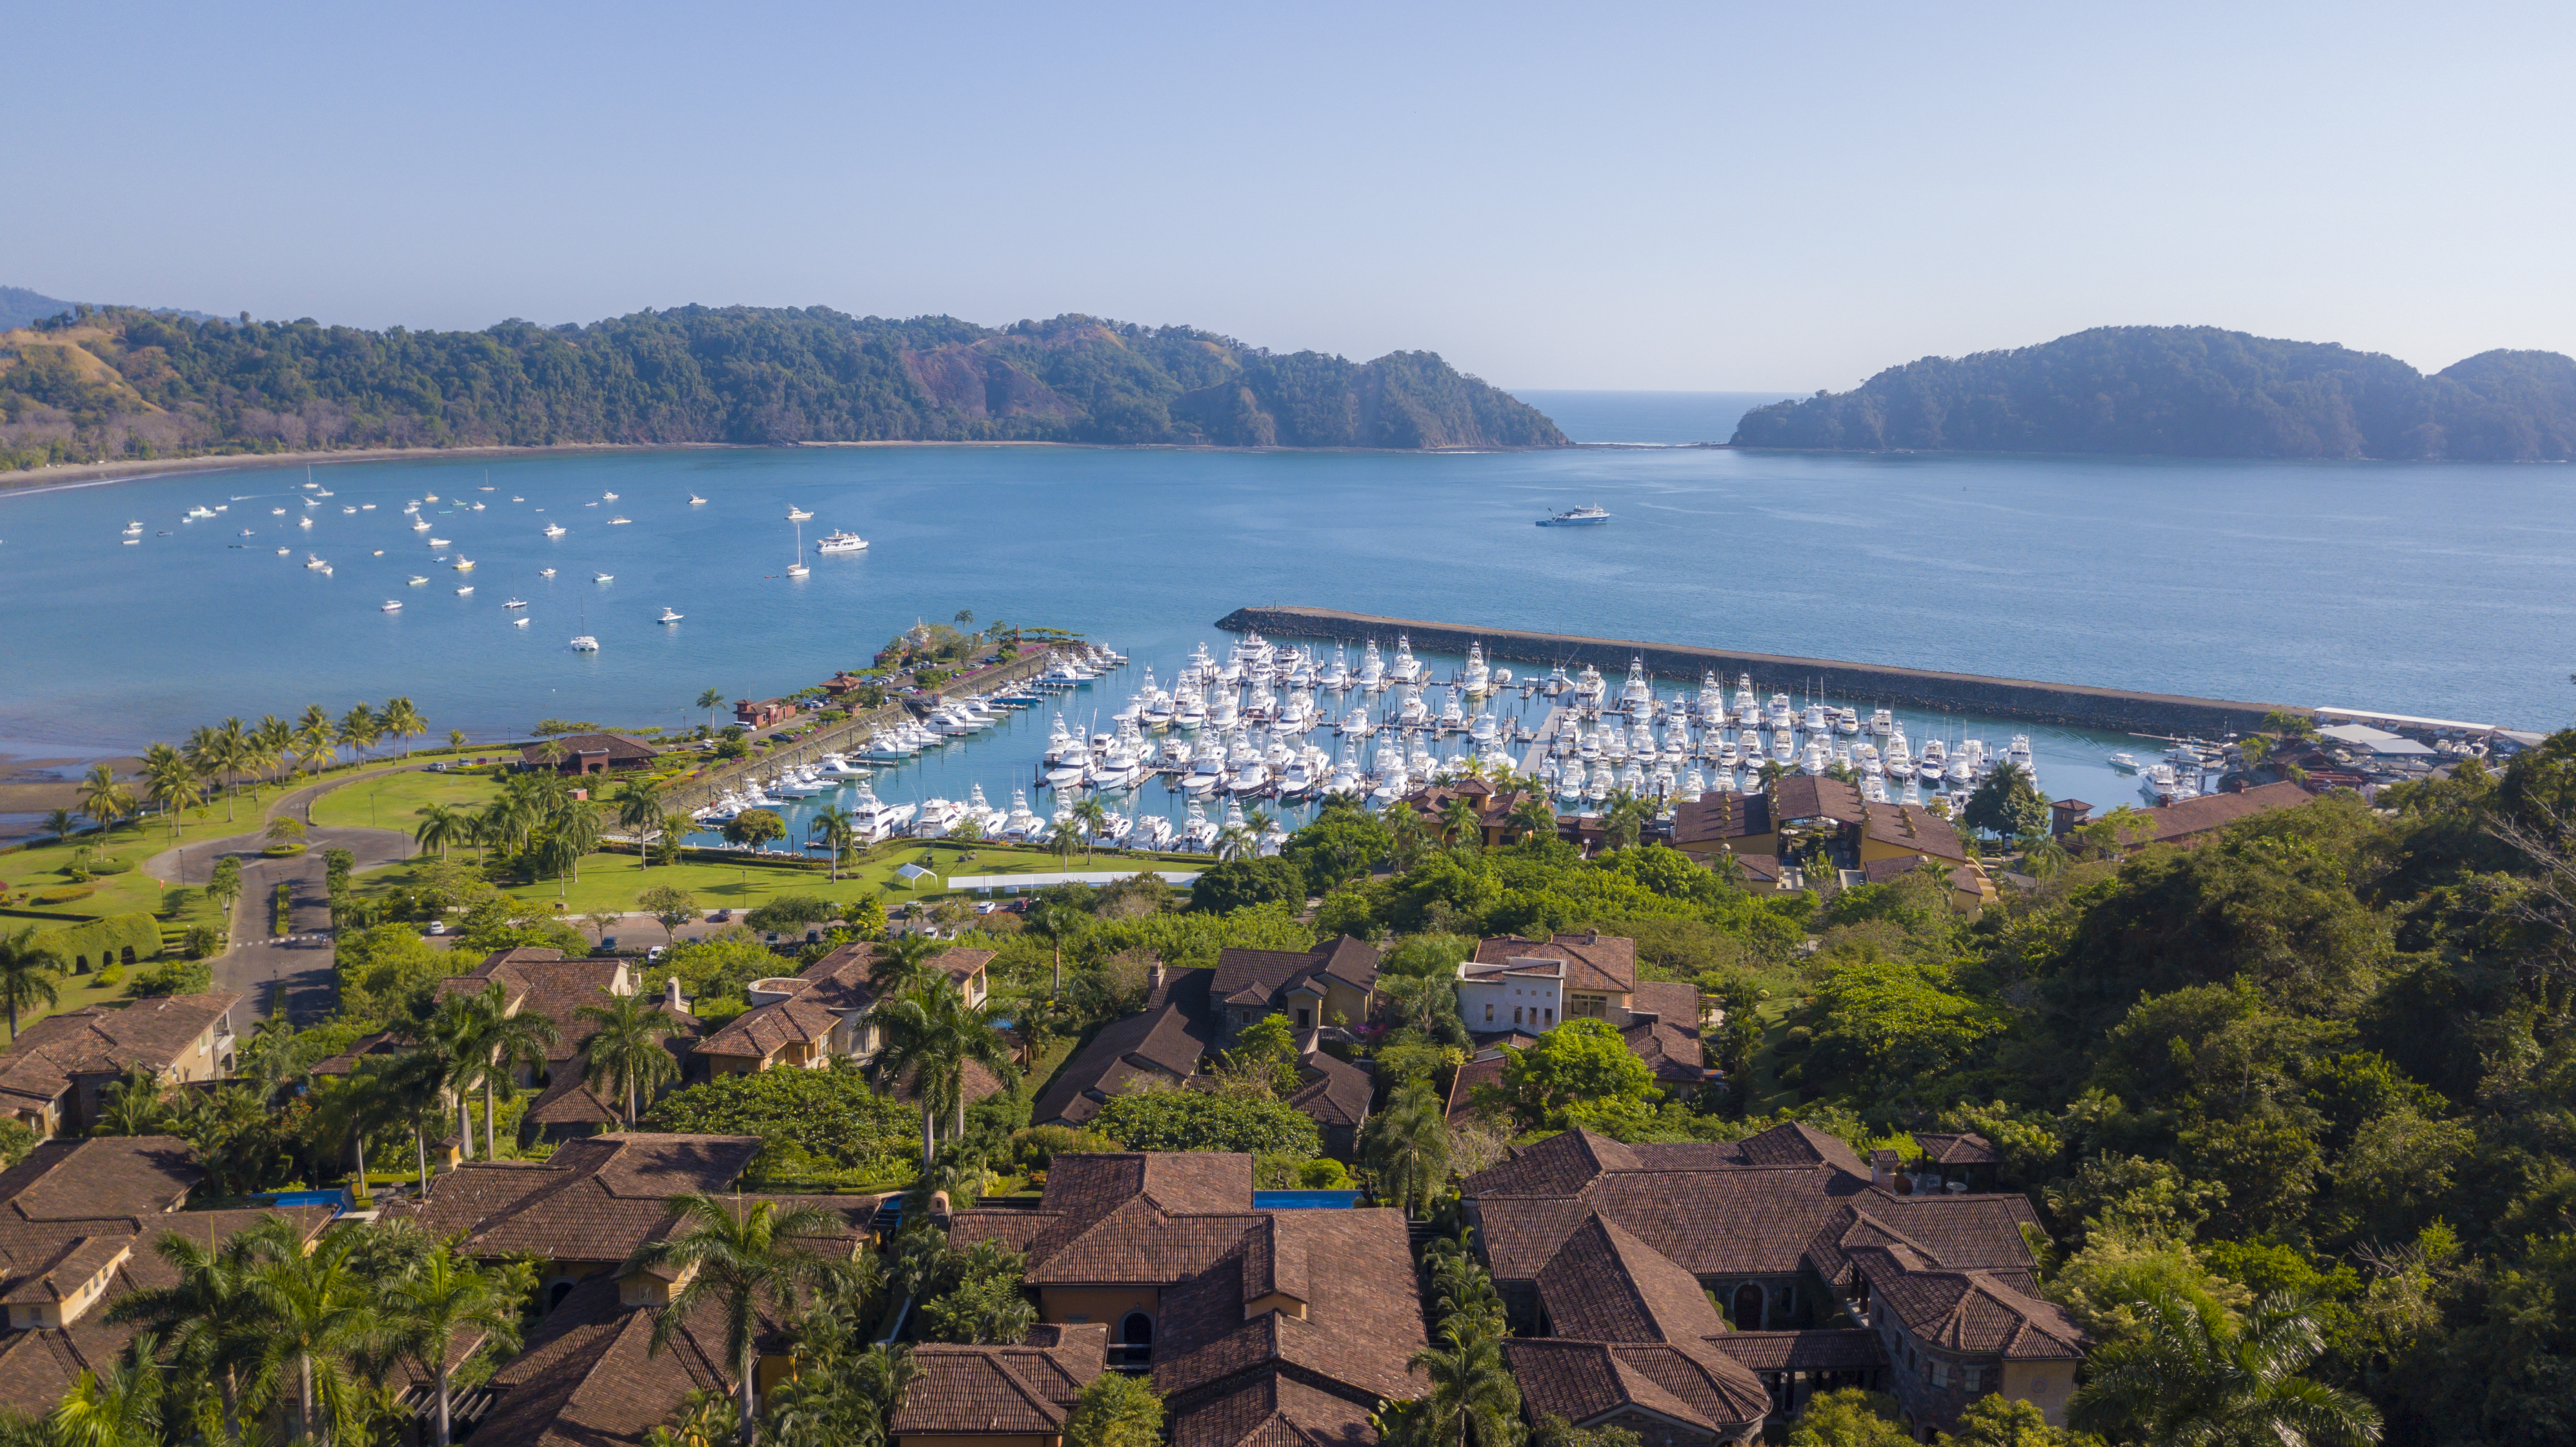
1000	1396
820	1013
1801	814
762	713
1493	807
1832	1271
578	754
54	1075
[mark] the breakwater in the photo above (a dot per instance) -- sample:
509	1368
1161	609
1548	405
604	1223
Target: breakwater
1863	685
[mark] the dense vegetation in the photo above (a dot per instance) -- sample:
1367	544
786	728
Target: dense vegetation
2194	392
119	382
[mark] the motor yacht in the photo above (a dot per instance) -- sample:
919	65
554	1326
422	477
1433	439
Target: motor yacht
392	605
556	530
838	541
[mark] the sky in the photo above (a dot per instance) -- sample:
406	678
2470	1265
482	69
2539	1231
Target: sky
1702	196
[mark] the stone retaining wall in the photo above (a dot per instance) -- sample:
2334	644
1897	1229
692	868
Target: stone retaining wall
1860	685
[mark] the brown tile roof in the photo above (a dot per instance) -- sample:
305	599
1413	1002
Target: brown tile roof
1242	975
1719	817
1968	1232
39	1261
2191	818
383	1042
1978	1311
1271	1409
1026	1389
1826	1350
543	981
1604	1284
1815	796
1696	1387
616	748
101	1039
596	1199
589	1376
1911	826
1166	1040
1335	1092
1597	962
76	1180
1956	1150
1125	1217
1354	1272
1799	1144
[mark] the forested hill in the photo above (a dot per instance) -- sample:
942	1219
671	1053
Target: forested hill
2193	392
116	382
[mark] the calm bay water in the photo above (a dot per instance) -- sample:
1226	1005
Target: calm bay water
2429	589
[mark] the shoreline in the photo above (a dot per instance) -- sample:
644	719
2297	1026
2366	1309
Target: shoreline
62	476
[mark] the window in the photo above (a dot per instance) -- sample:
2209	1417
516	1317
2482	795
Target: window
1302	1017
1489	1013
1516	1014
1587	1007
1973	1374
1940	1374
1551	1014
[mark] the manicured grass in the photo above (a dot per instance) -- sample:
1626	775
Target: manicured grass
611	881
75	992
391	801
39	869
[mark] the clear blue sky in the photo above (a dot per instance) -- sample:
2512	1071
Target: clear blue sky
1686	196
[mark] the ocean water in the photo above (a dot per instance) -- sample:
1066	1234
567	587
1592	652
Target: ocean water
2434	589
1653	418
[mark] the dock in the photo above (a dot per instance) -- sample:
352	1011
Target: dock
1865	684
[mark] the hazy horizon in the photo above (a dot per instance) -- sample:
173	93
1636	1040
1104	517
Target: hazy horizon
1654	198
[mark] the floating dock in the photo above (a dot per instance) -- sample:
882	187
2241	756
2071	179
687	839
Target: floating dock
1861	685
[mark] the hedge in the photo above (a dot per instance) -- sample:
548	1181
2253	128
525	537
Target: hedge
108	941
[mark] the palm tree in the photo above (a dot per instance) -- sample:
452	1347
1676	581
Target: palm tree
403	722
60	823
1473	1398
103	798
133	1106
351	1107
456	740
639	812
579	826
1624	822
1053	921
514	1041
2189	1374
1407	1145
272	744
1237	842
930	1034
1093	816
1532	815
119	1405
711	700
1405	831
740	1257
314	741
1064	840
440	827
902	963
174	783
320	1311
203	1313
359	729
625	1055
839	830
441	1297
456	1033
1458	822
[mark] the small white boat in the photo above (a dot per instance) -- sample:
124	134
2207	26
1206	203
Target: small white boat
555	530
468	588
2125	763
545	572
282	552
519	622
797	514
463	565
670	615
438	542
392	605
515	498
417	580
613	522
378	553
585	644
311	561
516	603
695	500
608	497
799	570
602	577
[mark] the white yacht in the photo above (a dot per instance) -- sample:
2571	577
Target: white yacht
694	500
837	541
392	605
670	615
603	577
584	643
797	514
556	530
417	580
468	588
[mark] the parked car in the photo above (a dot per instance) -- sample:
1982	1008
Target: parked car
654	955
720	916
437	927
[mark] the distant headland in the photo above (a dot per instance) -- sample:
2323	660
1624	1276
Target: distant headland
121	384
2193	392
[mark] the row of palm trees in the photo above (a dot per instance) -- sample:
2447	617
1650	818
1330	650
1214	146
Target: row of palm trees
537	817
225	756
262	1321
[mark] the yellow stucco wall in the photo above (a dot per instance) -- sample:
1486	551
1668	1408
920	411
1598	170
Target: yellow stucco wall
2045	1385
1108	1304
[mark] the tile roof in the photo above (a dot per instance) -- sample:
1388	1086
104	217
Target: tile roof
1693	1385
1816	796
75	1180
1965	1232
1025	1389
1271	1409
1247	976
102	1039
1363	1314
1978	1311
596	1199
1824	1350
589	1375
1165	1039
542	980
1603	1284
1125	1217
1911	826
617	747
1715	818
1334	1092
1598	962
1956	1150
2193	817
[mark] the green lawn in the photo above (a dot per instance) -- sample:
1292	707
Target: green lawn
38	870
390	801
611	881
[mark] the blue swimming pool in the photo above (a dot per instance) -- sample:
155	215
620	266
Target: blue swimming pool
1304	1200
304	1198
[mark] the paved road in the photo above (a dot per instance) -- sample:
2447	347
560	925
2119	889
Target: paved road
295	969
